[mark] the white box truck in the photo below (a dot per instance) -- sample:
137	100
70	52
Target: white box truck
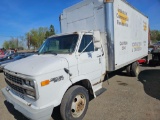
97	36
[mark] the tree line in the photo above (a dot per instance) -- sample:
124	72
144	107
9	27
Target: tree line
155	35
35	37
32	39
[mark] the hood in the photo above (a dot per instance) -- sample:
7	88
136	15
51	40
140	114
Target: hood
37	65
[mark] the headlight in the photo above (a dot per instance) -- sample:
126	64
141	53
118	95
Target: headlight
29	83
30	93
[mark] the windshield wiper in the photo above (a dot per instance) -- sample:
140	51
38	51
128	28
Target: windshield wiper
49	52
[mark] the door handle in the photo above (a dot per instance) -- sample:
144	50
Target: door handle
99	56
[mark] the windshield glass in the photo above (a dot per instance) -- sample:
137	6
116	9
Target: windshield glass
59	45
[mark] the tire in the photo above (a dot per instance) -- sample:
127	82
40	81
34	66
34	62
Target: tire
74	104
135	70
128	70
147	60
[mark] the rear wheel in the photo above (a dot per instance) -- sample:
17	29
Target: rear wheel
135	70
74	103
147	60
128	70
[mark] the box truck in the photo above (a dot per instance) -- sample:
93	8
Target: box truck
97	37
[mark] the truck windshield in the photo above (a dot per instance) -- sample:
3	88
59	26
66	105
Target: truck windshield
59	45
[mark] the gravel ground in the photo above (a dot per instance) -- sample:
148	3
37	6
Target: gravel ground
126	98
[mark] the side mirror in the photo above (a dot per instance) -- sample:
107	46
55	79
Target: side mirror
97	39
97	45
97	36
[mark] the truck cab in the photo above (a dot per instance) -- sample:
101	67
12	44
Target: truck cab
63	63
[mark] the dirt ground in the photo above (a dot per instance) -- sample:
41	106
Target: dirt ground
126	98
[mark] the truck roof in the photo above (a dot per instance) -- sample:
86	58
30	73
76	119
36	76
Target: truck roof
97	1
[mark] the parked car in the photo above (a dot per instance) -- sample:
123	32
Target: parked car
156	46
1	52
157	43
9	57
18	57
155	56
6	53
150	50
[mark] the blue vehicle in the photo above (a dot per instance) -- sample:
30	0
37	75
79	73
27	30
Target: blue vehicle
9	57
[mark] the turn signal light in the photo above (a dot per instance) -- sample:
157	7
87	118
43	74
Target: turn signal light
45	82
107	1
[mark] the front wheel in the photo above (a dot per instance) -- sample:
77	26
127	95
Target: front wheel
74	103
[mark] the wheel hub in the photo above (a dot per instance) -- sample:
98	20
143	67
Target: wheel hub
78	105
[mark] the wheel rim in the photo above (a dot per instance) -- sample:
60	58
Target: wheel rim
137	71
78	105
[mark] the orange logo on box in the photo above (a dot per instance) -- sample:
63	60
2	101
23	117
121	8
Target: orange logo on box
123	16
144	26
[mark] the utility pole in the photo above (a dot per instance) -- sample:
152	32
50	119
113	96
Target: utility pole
28	40
17	43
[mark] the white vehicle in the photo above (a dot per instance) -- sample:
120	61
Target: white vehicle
97	36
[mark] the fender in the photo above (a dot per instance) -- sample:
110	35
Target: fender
61	92
94	86
65	87
79	78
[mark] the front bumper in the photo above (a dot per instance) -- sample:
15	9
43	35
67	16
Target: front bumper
28	111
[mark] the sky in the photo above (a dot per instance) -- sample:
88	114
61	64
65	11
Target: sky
17	17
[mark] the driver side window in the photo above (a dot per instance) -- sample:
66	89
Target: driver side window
85	41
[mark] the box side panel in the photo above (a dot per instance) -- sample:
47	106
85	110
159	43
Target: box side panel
86	15
130	34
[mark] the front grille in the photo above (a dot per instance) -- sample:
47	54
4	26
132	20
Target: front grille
14	78
19	86
15	87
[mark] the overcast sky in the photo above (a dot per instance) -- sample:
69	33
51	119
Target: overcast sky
19	16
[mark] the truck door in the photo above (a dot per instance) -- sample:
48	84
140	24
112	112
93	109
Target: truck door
89	59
